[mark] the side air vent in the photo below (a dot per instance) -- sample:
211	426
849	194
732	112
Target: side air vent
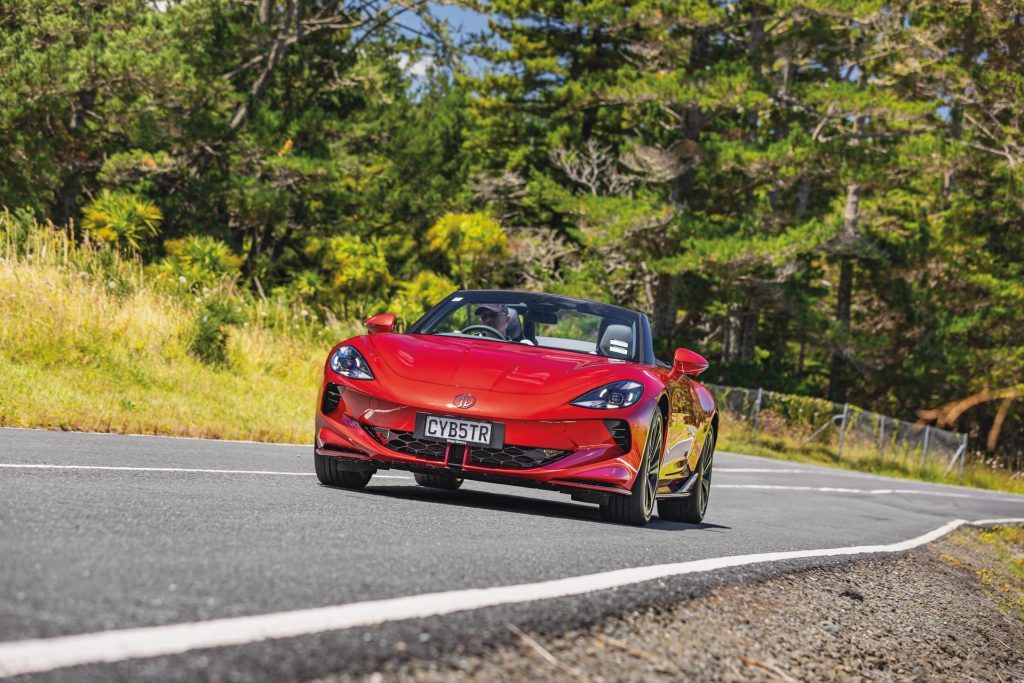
332	397
619	429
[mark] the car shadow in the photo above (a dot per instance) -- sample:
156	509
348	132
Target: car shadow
503	502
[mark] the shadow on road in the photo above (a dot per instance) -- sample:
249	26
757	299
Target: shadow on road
486	500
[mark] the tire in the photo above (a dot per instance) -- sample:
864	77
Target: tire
693	508
329	472
438	481
636	509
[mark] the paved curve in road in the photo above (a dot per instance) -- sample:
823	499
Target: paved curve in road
102	532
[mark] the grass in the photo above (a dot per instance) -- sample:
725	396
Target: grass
782	441
89	342
996	556
92	341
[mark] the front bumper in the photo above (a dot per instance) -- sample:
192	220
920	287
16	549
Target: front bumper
565	452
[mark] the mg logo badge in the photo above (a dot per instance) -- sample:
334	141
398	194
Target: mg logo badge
464	401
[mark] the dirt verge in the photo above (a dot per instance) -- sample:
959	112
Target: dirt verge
949	611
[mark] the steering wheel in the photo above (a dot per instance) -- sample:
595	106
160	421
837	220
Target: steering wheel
484	328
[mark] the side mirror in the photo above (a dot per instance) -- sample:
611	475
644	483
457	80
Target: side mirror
688	362
382	322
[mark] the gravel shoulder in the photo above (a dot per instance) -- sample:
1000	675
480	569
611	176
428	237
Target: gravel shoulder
947	611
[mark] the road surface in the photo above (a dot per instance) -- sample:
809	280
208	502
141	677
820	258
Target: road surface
102	533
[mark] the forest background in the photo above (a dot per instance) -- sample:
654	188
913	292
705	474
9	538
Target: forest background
823	197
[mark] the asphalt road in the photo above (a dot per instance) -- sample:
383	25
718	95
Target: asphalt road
102	532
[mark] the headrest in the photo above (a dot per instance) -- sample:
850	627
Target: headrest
617	341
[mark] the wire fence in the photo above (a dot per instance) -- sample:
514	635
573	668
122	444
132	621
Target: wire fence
841	426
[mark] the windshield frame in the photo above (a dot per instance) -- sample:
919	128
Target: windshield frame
643	352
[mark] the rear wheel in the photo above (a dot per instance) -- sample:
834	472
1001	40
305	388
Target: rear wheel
692	508
329	472
636	509
438	481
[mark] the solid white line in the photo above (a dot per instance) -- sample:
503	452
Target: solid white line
46	654
867	492
159	436
763	470
170	469
831	472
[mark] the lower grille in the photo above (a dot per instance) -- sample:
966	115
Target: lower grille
510	457
407	443
619	429
514	457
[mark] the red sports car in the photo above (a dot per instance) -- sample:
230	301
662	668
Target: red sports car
522	388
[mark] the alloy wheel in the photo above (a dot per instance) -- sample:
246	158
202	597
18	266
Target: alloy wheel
653	465
705	475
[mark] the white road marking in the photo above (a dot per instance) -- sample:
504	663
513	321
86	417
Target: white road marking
762	470
46	654
870	492
162	436
33	466
827	471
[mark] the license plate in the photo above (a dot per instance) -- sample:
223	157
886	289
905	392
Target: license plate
457	430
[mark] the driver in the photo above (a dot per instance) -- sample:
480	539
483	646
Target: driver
498	317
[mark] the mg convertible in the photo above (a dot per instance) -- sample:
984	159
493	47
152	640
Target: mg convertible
527	389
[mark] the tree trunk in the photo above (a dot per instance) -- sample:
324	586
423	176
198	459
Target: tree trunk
839	366
664	313
65	205
727	328
838	373
748	334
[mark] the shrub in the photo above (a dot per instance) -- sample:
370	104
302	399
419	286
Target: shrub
473	242
210	341
198	261
121	218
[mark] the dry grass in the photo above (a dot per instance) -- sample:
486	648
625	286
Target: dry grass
996	556
87	342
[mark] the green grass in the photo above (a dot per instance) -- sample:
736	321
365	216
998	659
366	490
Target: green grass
783	442
88	341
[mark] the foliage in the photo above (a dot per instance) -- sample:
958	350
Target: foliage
472	242
197	261
418	295
121	219
212	332
358	270
822	197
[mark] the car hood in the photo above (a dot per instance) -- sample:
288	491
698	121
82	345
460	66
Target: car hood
495	366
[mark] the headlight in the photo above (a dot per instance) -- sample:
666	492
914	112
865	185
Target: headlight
348	362
615	395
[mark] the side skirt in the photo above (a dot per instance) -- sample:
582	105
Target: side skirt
684	491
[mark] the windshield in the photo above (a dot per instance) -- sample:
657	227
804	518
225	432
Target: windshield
555	324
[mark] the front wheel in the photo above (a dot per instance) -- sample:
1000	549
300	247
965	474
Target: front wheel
636	509
330	473
693	508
